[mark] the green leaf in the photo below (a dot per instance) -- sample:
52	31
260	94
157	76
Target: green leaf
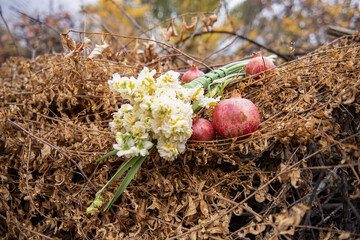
124	167
217	89
109	154
232	68
129	176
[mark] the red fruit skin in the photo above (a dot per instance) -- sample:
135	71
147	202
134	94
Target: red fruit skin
203	130
259	64
235	117
191	74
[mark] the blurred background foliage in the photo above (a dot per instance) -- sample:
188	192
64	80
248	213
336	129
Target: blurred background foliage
276	24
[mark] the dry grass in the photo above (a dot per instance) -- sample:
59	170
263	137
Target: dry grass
296	177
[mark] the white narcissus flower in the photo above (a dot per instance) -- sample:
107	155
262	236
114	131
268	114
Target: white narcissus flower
122	85
159	110
209	102
121	118
169	80
181	129
162	106
146	74
168	150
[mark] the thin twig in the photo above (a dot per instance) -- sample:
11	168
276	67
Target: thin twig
312	196
129	17
12	218
83	9
213	53
57	149
35	20
108	30
261	188
12	36
345	203
28	190
37	233
141	28
244	38
147	39
78	202
357	215
172	19
74	162
188	41
334	230
330	215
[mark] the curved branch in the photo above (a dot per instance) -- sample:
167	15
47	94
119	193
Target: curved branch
241	37
36	20
146	39
11	35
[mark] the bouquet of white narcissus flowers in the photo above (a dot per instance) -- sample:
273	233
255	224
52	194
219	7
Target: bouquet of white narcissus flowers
160	109
159	114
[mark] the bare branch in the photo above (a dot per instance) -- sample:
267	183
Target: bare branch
244	38
35	20
12	36
147	39
130	17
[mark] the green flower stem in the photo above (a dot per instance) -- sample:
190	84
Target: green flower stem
206	79
129	176
232	68
133	165
219	87
112	153
124	167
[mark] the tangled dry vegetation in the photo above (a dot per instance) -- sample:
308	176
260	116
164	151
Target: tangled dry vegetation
296	177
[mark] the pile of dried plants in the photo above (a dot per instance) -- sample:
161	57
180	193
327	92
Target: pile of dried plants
296	177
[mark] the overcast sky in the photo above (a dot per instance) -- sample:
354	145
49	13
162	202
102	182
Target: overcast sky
39	7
